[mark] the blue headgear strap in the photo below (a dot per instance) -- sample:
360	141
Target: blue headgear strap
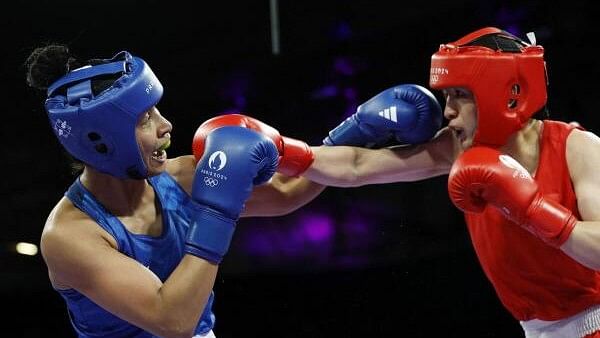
88	73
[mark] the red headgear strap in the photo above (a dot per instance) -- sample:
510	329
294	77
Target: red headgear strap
508	86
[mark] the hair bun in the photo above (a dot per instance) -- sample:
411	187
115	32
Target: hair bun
47	64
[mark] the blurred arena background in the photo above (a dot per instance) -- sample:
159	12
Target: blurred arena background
377	261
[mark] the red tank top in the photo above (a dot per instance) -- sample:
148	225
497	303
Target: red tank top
532	279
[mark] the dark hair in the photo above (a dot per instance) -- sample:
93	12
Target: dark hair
504	42
48	63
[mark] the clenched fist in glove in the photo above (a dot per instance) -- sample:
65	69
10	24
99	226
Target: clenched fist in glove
236	160
295	156
483	176
409	113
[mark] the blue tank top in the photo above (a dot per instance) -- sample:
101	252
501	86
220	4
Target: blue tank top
159	254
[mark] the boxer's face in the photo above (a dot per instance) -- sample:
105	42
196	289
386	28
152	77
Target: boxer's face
461	113
153	134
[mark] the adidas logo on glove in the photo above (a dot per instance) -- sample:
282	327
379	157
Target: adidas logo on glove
389	114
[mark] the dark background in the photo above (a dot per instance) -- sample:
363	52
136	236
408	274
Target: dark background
377	261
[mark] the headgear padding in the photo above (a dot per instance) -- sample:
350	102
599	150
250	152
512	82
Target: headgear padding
100	129
506	75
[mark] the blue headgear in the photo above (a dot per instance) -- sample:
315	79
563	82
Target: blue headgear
100	129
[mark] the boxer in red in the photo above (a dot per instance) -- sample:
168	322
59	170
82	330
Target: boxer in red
528	186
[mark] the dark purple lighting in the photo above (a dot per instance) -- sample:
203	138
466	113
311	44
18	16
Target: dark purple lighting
315	236
344	66
317	228
359	233
234	90
351	96
326	91
259	243
511	19
310	236
342	31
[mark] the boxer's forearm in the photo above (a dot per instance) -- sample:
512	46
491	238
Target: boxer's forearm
334	166
351	166
583	245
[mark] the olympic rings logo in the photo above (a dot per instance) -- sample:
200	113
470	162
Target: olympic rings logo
211	182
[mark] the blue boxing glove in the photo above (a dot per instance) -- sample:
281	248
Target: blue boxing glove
234	160
409	113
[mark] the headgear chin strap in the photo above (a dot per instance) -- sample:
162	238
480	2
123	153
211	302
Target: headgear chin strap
506	75
100	129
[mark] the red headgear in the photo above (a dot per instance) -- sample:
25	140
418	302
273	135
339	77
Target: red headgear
506	75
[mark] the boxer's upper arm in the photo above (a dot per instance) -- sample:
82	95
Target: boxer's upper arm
280	196
81	255
583	160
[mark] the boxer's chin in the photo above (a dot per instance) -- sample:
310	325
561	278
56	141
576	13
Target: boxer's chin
466	143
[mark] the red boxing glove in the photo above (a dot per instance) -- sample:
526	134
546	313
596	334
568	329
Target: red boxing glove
483	175
295	156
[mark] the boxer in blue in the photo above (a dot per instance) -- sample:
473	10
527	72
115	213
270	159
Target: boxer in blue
134	245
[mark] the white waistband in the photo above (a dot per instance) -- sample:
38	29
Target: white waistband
577	326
